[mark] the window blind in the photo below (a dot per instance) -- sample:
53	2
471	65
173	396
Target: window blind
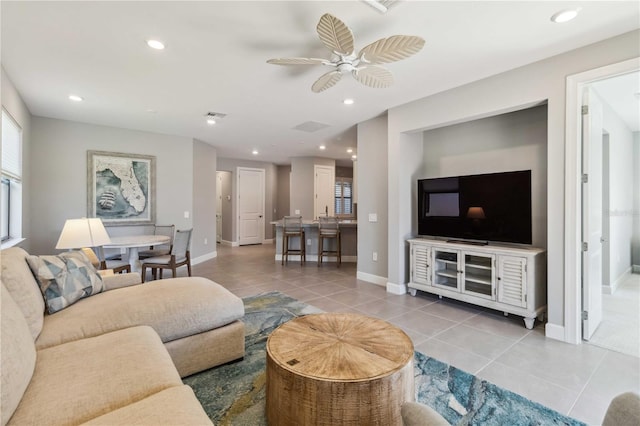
11	147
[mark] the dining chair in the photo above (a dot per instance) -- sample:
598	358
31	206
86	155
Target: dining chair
180	255
292	228
160	249
328	229
100	262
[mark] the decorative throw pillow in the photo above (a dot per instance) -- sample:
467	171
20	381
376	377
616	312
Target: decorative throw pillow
65	278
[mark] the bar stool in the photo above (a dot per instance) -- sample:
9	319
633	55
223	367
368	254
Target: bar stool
328	229
292	228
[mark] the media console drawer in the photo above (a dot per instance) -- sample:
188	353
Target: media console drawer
507	279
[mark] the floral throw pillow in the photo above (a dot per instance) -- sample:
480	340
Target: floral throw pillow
65	278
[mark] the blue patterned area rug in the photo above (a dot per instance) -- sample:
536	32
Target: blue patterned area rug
233	394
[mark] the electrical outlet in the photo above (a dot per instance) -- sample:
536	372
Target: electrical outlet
186	215
375	256
309	241
206	241
373	217
297	212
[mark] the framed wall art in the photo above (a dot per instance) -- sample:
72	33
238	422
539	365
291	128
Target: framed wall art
121	188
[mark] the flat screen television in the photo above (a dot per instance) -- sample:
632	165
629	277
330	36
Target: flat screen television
487	207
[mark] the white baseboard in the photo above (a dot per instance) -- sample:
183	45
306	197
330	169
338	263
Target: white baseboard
314	258
635	269
269	241
229	243
611	289
370	278
204	257
554	331
394	288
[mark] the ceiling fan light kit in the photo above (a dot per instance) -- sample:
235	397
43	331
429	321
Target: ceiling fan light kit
338	38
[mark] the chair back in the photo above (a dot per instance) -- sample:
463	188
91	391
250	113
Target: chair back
181	243
328	225
292	224
167	231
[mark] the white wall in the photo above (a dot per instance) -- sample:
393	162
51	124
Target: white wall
506	142
271	191
509	91
635	239
12	102
203	240
620	209
58	164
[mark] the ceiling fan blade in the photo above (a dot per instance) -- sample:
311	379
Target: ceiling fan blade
326	81
297	61
372	76
335	35
391	49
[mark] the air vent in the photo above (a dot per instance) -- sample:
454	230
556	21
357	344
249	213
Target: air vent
310	126
215	115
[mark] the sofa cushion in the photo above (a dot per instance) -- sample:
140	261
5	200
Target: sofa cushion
17	352
65	278
82	380
19	280
173	406
174	307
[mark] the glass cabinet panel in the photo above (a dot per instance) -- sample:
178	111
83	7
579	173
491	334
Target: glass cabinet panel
479	276
446	269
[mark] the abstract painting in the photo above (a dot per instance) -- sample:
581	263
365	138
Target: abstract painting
121	187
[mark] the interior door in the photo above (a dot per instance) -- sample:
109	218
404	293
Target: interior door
218	207
250	206
592	143
324	189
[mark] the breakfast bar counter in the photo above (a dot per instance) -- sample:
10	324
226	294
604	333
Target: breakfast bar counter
348	233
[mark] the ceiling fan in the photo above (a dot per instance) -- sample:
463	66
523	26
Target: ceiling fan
338	38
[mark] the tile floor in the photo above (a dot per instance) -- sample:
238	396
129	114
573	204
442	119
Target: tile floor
578	380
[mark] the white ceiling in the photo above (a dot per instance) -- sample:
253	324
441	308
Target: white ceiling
215	61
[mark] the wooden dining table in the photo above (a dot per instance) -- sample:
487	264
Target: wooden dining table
133	242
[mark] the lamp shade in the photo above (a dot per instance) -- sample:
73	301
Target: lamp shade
476	213
85	232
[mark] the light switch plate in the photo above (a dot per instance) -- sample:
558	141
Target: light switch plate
186	215
297	212
373	217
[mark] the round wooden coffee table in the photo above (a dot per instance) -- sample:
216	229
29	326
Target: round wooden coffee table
338	369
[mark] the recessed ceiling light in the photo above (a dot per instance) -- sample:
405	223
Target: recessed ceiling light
211	121
349	150
75	98
353	157
155	44
348	101
254	152
565	15
322	147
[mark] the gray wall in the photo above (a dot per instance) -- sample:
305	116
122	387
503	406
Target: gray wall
619	213
271	192
372	197
284	195
635	240
525	86
302	184
203	241
345	172
58	162
506	142
12	102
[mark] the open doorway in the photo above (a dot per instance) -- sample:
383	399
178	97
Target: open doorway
610	219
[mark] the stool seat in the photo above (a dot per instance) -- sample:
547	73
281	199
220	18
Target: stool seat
328	229
292	228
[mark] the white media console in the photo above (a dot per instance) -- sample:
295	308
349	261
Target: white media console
508	279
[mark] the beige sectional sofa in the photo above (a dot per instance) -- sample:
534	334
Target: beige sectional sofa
116	357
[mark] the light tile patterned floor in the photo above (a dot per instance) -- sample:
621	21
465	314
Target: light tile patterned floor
578	380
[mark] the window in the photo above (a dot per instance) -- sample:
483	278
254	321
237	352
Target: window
344	202
11	179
